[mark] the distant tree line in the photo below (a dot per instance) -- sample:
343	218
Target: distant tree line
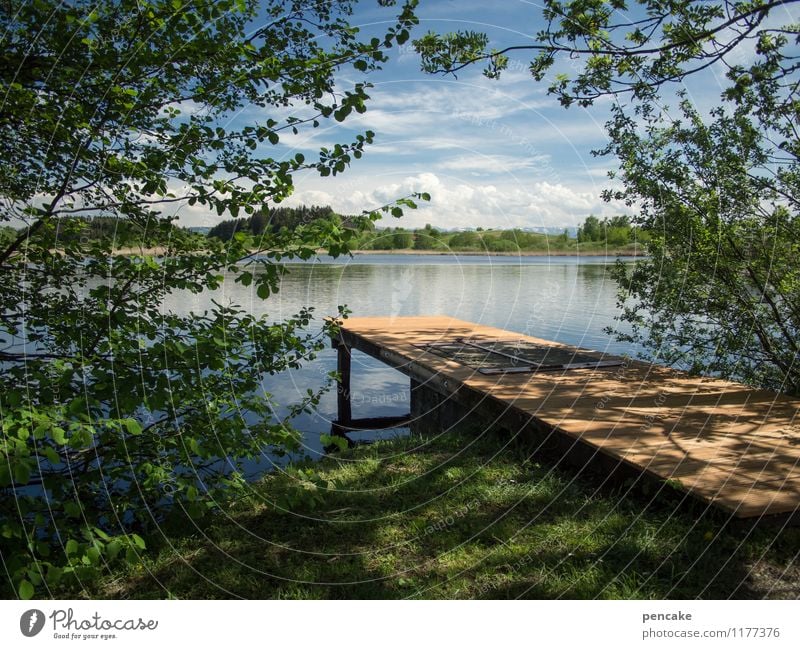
616	231
272	220
619	235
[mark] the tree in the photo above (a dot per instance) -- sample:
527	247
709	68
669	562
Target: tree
274	220
591	230
501	245
114	411
402	240
715	191
258	222
428	238
614	231
465	240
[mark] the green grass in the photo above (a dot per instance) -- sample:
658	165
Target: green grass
465	516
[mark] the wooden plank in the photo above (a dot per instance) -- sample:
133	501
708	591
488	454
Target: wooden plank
727	443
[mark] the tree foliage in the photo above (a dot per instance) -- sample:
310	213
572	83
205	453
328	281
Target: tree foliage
715	190
614	231
271	220
428	238
114	409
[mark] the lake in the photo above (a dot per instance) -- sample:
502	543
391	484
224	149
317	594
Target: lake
565	299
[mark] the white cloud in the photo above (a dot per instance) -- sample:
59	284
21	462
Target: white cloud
456	203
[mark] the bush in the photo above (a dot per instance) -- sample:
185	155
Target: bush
466	241
501	245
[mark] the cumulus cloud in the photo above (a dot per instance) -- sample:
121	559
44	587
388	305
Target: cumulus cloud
456	203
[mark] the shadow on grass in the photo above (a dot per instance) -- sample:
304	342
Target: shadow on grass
467	516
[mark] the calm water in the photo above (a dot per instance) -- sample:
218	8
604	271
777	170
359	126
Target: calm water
561	299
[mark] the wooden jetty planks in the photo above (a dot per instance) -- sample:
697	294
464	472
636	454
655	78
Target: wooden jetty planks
729	444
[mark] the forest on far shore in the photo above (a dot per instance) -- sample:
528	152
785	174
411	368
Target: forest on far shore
594	233
616	232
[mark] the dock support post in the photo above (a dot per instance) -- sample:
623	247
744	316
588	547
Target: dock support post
344	421
343	406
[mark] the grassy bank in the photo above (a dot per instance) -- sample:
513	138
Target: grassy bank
466	516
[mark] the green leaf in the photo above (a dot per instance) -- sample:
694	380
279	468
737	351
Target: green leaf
25	589
132	426
51	454
93	555
334	440
103	535
59	435
71	547
22	473
113	549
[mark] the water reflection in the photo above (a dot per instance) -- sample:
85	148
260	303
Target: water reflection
565	300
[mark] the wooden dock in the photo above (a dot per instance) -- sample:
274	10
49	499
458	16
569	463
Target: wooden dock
723	442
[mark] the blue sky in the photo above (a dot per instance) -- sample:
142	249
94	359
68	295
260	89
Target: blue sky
492	153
